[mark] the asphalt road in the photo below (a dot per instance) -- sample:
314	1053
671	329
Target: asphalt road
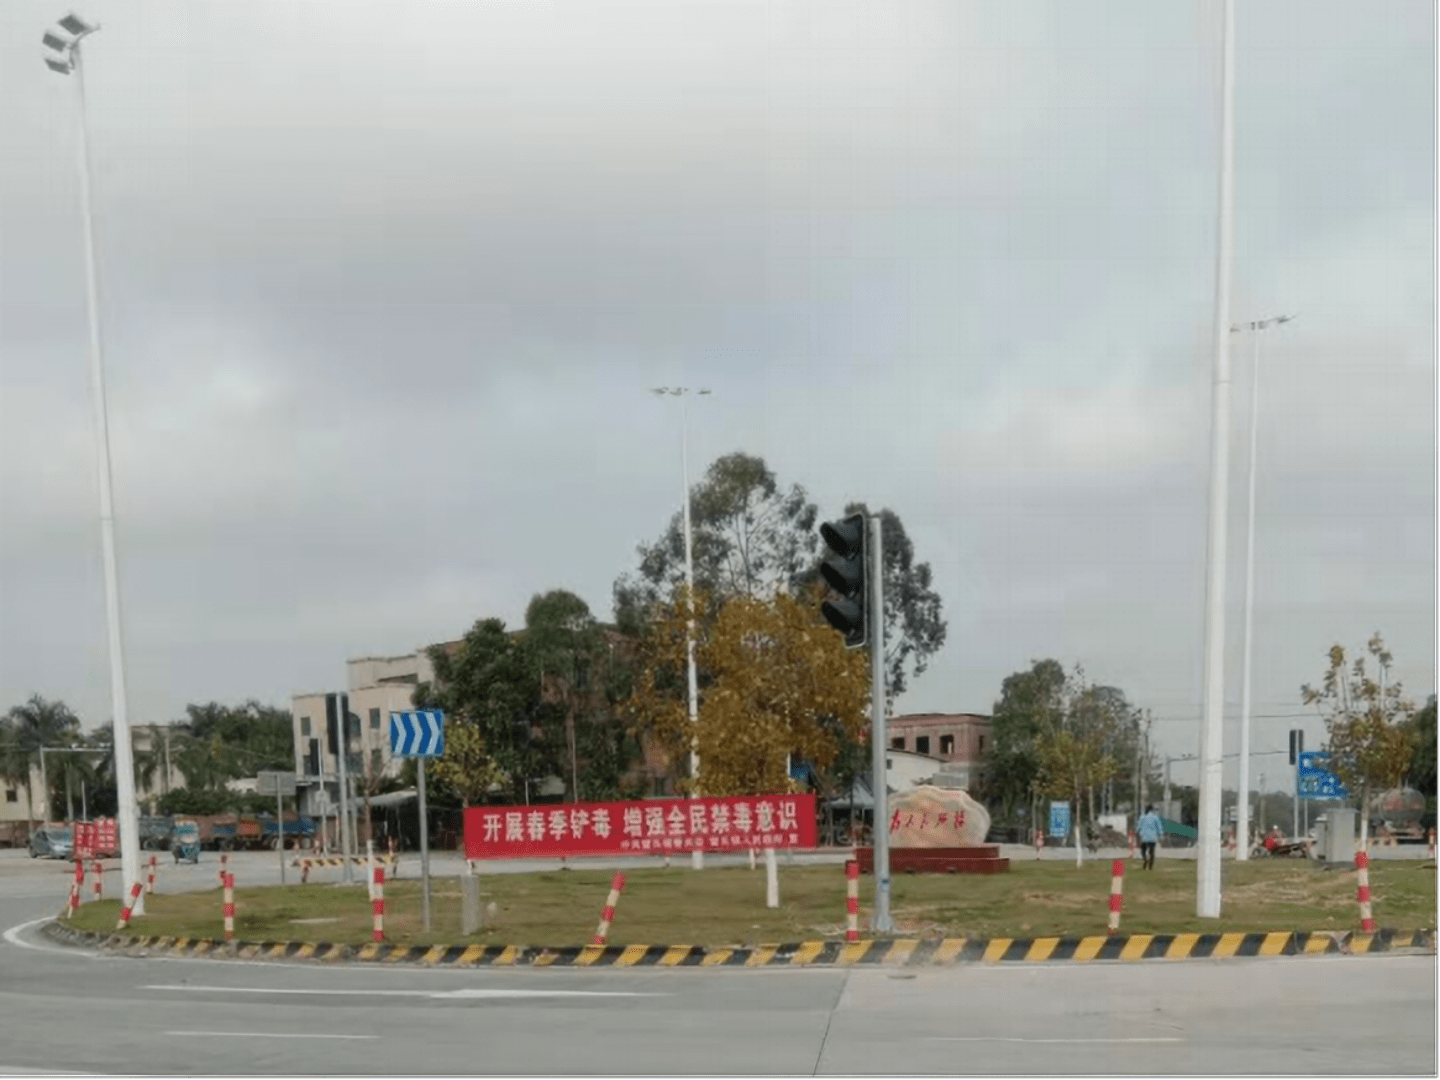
72	1011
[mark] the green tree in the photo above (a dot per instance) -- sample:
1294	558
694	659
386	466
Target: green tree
1421	730
1031	702
568	648
749	537
1366	724
490	681
28	727
1076	747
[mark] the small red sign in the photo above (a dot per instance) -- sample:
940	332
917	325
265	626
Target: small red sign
96	839
648	827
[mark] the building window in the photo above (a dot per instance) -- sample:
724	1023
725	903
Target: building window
376	764
947	744
11	795
304	727
982	744
374	719
897	743
922	744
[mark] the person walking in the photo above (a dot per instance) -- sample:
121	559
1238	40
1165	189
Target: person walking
1148	828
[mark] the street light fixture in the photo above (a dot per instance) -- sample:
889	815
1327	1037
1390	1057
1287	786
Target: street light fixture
697	858
68	63
1242	817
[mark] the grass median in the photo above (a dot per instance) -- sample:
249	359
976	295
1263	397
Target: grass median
726	906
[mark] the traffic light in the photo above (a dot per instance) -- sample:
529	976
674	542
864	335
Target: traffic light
334	705
1297	744
845	573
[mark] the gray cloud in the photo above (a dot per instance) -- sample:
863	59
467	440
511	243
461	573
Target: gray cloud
385	286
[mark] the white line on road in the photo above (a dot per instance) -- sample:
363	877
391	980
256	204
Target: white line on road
12	937
1067	1042
468	992
271	1035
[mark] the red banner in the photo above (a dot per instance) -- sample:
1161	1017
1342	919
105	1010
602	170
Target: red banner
94	839
648	827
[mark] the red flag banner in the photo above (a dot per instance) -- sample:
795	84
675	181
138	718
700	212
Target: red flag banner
646	827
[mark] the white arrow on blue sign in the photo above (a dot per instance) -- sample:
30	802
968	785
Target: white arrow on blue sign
417	734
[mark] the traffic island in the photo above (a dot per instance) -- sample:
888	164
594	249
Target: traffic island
726	907
907	953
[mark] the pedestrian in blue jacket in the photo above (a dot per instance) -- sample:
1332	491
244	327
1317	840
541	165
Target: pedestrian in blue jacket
1149	828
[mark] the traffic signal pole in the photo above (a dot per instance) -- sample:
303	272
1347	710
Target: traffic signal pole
881	922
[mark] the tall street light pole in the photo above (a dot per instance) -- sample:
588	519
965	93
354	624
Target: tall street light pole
1242	813
63	58
697	858
1212	734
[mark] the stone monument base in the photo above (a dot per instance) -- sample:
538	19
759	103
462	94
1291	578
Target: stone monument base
936	860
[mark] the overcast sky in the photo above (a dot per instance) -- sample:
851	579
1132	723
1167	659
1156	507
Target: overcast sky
384	286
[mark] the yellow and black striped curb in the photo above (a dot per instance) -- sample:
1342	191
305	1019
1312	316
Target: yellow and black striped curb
887	953
388	861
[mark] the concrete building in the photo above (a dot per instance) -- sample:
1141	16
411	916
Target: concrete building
376	686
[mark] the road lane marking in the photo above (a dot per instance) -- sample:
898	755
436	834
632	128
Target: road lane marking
12	937
466	992
1062	1041
271	1035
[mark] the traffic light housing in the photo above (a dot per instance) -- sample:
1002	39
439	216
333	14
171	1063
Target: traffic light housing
1297	744
845	574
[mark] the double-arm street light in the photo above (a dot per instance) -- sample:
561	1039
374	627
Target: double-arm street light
697	858
63	57
1242	818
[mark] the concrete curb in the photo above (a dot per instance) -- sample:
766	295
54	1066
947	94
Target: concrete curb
880	953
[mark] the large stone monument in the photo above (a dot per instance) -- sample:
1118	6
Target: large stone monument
937	830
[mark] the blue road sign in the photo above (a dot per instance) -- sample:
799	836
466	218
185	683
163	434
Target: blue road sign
1314	781
417	734
1060	819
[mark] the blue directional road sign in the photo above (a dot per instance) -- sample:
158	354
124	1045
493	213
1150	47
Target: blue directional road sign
1314	781
1060	819
417	734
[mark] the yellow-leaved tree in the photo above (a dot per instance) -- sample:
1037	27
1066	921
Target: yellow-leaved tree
1366	720
776	680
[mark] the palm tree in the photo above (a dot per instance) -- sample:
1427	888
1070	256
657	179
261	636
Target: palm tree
30	726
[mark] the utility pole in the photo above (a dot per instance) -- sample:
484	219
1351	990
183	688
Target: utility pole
1212	725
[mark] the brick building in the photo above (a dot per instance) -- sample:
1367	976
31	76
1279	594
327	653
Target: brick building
957	739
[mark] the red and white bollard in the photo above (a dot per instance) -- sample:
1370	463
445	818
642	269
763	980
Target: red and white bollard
852	900
1362	892
72	899
99	872
390	844
1117	882
224	864
1432	844
229	907
150	882
1039	842
128	908
304	871
1132	844
377	905
617	883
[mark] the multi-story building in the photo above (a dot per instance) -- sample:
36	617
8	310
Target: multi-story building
957	739
376	686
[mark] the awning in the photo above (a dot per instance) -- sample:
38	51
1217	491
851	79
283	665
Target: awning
394	798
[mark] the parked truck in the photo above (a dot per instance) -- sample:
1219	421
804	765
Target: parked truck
230	832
